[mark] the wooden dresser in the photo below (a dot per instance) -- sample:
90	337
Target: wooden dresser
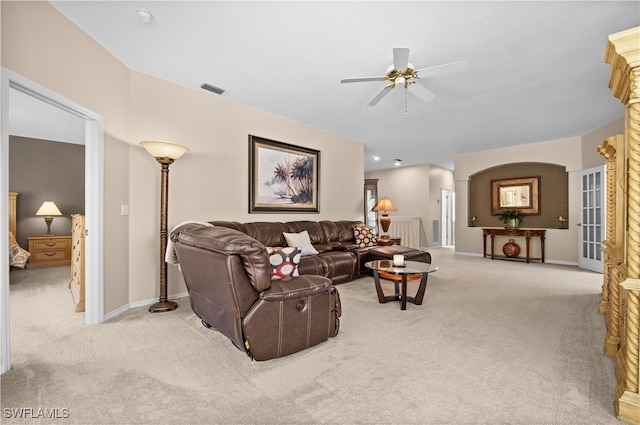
76	284
49	251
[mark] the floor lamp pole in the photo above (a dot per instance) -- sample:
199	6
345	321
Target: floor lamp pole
163	303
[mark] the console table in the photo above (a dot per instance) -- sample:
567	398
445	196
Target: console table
526	233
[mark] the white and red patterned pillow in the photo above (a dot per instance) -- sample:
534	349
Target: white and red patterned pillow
284	261
364	236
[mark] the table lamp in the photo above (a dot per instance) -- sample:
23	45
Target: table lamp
48	209
384	205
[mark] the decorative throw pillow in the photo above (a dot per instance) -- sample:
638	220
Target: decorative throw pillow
302	240
364	236
284	261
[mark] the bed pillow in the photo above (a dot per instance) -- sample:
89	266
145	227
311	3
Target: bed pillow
364	236
284	261
302	240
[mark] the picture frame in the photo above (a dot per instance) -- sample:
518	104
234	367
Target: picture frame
283	177
519	194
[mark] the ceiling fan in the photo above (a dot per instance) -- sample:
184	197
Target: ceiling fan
402	73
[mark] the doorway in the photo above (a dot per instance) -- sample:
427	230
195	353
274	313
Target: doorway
592	219
94	196
446	204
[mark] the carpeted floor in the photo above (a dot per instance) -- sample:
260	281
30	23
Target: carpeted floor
495	342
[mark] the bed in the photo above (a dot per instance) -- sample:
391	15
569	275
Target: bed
18	256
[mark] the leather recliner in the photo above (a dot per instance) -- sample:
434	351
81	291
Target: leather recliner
228	277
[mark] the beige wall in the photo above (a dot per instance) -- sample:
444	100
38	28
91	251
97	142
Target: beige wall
209	182
415	192
591	157
574	153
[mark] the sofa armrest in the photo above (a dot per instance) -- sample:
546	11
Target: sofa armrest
296	287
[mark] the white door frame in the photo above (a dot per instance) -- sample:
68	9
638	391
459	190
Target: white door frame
584	260
94	196
446	206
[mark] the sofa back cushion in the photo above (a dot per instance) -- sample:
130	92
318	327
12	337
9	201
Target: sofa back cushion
226	242
229	224
269	233
340	231
316	233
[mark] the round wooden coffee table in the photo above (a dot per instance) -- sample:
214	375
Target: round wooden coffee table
400	275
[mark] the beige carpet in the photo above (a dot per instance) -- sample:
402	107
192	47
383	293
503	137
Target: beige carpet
495	342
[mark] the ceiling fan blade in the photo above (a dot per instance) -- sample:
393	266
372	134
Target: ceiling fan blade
447	68
421	93
361	79
400	58
382	93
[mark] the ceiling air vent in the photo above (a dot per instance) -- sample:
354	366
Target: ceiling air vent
216	90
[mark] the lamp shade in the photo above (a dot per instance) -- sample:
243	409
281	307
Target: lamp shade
384	204
164	149
48	208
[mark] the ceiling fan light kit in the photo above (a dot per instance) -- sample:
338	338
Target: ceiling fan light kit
403	74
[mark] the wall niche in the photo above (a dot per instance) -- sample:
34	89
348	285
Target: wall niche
554	194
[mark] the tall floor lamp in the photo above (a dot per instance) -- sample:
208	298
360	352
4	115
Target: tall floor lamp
165	153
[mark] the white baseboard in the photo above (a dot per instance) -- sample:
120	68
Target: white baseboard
546	261
468	254
142	303
563	263
118	311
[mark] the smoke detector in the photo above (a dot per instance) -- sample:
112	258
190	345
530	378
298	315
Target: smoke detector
144	15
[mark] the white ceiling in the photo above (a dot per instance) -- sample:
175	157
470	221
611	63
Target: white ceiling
536	69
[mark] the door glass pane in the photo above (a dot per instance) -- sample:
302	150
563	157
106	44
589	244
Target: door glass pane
590	186
597	180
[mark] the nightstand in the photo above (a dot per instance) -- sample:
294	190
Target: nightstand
49	251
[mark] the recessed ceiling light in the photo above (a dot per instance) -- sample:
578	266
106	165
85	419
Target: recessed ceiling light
398	162
376	158
144	15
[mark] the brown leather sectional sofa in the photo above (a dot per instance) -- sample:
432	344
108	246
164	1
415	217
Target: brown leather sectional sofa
339	258
231	288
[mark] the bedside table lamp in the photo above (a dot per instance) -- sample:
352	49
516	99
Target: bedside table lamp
165	153
48	209
384	205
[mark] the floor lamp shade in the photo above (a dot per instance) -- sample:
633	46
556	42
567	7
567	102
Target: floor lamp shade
48	209
165	153
160	150
384	205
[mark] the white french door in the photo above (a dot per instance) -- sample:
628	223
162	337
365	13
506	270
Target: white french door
592	218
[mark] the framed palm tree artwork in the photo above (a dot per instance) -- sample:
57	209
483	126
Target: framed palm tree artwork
282	177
